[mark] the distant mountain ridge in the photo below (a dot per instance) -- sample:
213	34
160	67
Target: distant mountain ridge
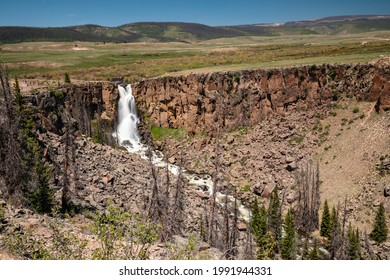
189	32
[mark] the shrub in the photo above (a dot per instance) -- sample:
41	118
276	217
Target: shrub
2	213
335	95
246	188
123	235
66	78
23	243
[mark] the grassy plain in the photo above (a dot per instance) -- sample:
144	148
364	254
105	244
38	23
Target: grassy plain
136	61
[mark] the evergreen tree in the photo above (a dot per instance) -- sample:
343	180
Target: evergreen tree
43	197
258	221
314	254
326	222
288	243
66	78
18	95
334	221
354	249
267	247
380	231
275	216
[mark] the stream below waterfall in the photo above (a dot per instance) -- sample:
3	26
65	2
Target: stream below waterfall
129	138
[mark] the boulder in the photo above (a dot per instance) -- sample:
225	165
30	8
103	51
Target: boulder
386	191
268	190
202	195
241	226
230	139
172	160
107	179
289	159
258	189
291	166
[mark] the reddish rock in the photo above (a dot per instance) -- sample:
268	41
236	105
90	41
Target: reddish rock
107	179
202	194
241	226
196	102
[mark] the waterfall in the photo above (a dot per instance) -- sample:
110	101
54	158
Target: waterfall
127	131
128	137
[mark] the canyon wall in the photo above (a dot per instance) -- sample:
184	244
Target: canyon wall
227	100
86	108
222	100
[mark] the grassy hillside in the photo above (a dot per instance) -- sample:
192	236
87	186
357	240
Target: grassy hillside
190	32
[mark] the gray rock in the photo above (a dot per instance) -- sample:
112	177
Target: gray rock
325	255
291	166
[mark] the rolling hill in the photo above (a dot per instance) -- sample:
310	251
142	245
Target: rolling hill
189	32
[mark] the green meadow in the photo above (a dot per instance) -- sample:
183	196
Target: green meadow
136	61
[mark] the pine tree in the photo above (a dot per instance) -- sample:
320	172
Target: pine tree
267	247
380	231
274	215
43	197
314	254
326	223
354	249
288	243
334	221
18	95
258	222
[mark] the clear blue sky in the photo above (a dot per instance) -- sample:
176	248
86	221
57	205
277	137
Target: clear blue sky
210	12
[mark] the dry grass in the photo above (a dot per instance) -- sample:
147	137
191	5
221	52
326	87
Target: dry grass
135	61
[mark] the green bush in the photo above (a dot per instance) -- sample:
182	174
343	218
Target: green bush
58	95
24	244
66	78
183	251
123	235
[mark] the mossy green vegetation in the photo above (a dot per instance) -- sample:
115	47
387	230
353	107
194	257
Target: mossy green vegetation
159	133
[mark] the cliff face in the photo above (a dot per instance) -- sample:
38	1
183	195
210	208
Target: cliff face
225	100
233	99
78	105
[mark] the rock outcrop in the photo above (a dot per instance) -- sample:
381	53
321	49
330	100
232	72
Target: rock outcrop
233	99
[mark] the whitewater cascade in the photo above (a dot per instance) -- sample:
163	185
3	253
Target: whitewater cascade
127	132
128	137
